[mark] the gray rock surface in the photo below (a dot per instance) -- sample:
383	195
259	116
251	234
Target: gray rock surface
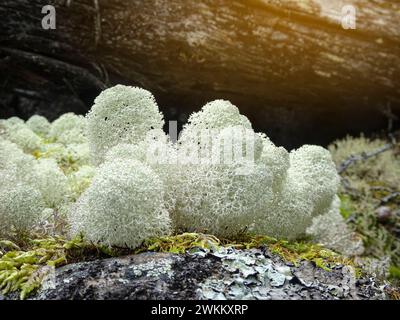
226	274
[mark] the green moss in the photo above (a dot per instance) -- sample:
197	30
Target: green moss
394	272
293	252
66	161
17	267
346	207
180	243
378	238
298	251
22	268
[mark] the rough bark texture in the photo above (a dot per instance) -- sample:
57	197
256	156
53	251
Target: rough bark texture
288	65
226	274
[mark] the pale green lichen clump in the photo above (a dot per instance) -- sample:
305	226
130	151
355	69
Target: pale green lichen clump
218	114
20	134
123	206
221	177
331	230
32	180
20	202
39	125
51	182
277	193
21	205
69	129
121	114
306	191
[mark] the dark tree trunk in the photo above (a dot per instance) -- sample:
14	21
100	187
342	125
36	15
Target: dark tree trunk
288	65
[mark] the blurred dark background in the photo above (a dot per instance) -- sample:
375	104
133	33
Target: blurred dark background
288	65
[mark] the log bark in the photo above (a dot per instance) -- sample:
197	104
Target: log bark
235	275
288	65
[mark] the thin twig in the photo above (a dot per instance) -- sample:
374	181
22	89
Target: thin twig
28	93
97	24
391	117
390	197
364	156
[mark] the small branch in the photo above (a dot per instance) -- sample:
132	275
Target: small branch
363	157
97	23
390	197
347	186
391	117
28	93
101	69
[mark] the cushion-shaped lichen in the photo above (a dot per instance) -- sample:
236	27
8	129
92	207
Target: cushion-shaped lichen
123	206
121	114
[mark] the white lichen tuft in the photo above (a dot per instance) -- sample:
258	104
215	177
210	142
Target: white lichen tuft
268	192
215	115
314	172
78	153
123	206
218	114
69	128
221	186
121	114
160	154
277	160
80	180
304	191
11	121
27	186
51	182
21	135
220	178
331	230
216	199
39	125
21	204
11	156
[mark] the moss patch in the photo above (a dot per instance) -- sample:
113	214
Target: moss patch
293	252
23	267
180	243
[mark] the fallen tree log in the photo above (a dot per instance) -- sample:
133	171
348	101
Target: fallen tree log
233	275
289	65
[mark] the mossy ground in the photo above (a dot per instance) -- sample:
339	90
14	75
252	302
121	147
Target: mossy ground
368	186
24	265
